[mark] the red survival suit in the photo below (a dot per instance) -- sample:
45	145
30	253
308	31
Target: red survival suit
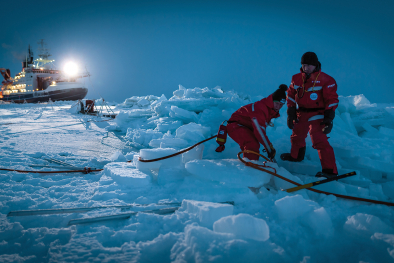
247	126
313	95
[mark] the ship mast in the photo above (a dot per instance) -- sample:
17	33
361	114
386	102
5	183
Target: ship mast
43	56
29	59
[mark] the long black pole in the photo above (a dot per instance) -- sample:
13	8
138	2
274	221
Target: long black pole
319	182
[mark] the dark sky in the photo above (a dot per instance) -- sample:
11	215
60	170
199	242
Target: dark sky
150	47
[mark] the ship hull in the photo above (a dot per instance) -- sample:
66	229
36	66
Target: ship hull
55	95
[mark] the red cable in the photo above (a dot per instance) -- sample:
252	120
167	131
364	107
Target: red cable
256	166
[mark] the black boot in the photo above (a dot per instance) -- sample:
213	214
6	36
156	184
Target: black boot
327	173
300	157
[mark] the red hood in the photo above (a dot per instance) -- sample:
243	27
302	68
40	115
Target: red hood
269	102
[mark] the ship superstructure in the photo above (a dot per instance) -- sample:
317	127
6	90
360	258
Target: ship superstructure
40	81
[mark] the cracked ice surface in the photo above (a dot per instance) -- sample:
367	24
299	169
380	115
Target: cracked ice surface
271	226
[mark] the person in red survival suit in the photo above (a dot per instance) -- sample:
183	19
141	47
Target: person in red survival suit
247	125
315	93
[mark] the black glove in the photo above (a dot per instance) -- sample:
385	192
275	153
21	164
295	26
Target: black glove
272	153
291	117
329	116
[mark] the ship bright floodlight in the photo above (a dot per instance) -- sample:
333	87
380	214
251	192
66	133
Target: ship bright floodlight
71	68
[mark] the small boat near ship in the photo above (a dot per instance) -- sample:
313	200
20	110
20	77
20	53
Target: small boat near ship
39	81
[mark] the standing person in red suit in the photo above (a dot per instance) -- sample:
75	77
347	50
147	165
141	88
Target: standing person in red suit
315	94
247	125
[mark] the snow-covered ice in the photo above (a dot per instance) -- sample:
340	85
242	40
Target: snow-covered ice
126	175
243	226
206	213
270	226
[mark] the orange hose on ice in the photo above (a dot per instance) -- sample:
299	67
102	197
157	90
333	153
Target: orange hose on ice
256	166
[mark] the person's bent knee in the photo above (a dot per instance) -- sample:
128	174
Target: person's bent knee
251	156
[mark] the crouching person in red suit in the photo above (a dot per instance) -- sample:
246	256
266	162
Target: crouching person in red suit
247	125
315	93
